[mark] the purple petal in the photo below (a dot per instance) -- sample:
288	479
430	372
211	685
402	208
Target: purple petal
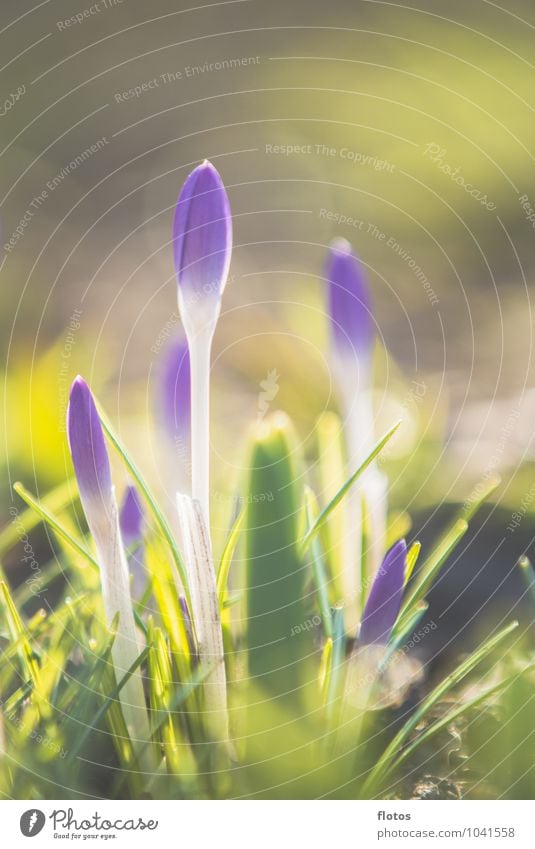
384	600
202	235
89	454
352	326
175	394
131	517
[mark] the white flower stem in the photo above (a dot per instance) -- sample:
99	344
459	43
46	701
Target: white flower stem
200	347
196	549
125	651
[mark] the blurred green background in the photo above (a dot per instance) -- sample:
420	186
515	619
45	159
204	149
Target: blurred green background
415	122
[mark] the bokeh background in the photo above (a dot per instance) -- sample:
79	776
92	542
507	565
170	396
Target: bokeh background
407	129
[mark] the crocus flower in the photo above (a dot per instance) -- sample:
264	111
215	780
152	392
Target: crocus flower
202	239
376	679
90	460
92	468
352	327
352	334
384	601
131	520
174	405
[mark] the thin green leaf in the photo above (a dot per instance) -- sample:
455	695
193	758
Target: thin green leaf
111	699
385	763
20	636
326	512
160	519
335	686
528	574
458	711
318	566
431	567
472	505
405	628
54	501
227	555
412	558
61	531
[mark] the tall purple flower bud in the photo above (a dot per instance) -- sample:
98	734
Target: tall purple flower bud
352	326
175	412
384	601
352	336
92	468
202	239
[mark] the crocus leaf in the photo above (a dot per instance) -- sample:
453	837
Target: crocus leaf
326	512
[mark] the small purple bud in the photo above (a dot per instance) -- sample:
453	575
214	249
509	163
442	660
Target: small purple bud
89	455
131	517
202	239
175	395
384	600
352	326
131	520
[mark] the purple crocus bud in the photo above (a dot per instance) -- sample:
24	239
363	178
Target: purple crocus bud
384	601
131	520
202	239
90	458
92	468
352	326
131	517
175	396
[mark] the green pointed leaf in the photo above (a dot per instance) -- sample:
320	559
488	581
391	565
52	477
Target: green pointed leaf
326	512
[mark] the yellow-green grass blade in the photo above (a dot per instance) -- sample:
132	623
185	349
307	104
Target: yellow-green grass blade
326	512
58	528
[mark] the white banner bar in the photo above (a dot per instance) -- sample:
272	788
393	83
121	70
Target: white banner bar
270	824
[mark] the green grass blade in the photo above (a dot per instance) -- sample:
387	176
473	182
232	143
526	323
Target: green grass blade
112	698
318	566
458	711
54	501
472	505
385	763
528	574
326	512
227	555
335	687
58	529
412	559
159	518
20	635
432	566
405	628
